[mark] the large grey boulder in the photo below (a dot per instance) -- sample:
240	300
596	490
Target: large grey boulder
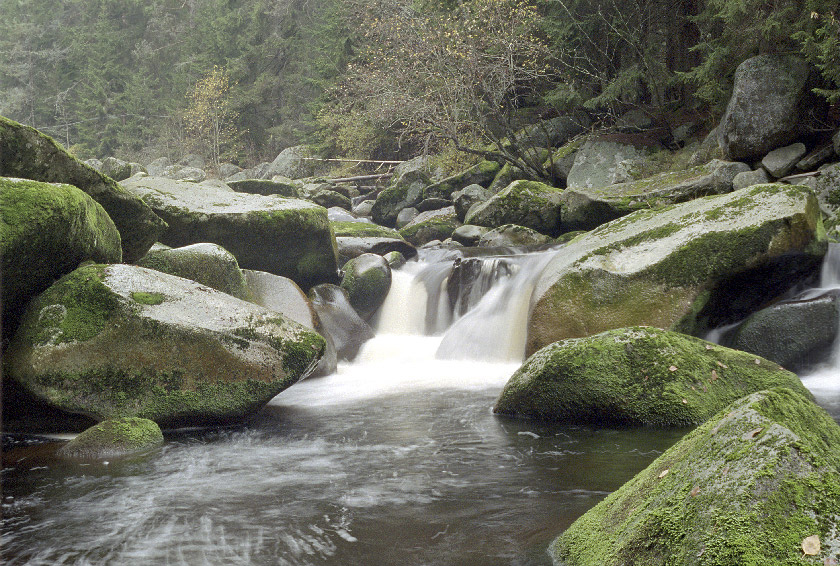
286	237
292	162
29	154
586	208
340	321
187	355
758	483
281	294
599	163
749	178
158	167
117	169
795	334
208	264
686	267
827	187
468	197
367	280
765	111
636	376
782	161
531	204
46	231
468	234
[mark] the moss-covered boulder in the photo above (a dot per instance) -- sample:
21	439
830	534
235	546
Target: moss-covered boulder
637	376
431	225
481	173
587	208
531	204
686	267
27	153
511	235
46	231
208	264
404	192
287	237
121	340
750	486
114	438
367	280
265	187
357	238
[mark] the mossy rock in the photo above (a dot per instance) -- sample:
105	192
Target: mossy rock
367	280
481	173
287	237
747	487
531	204
208	264
637	376
357	238
264	187
511	235
431	225
113	439
587	208
187	355
46	231
686	267
27	153
404	192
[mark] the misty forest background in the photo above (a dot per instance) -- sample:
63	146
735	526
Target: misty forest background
240	80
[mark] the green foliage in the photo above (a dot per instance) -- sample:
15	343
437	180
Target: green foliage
210	119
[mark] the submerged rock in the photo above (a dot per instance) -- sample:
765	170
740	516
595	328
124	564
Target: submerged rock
46	231
113	439
637	376
687	267
27	153
208	264
286	237
120	340
747	487
367	280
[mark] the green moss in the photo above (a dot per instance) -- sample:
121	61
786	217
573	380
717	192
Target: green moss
362	230
148	298
117	437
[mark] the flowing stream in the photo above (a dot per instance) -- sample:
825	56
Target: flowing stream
396	459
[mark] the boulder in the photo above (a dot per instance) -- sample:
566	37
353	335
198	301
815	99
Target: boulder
364	208
468	234
481	173
686	267
97	163
293	163
324	195
395	260
636	376
765	110
286	237
827	187
816	158
338	214
531	204
586	208
117	169
562	160
405	217
555	131
228	170
188	355
113	439
341	322
367	280
433	204
208	264
468	197
782	161
357	238
264	187
190	174
795	334
756	484
511	235
405	191
749	178
27	153
193	160
158	167
599	163
431	225
46	231
281	294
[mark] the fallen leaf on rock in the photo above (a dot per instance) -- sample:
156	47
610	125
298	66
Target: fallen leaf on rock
757	362
830	561
714	375
672	368
708	346
695	491
664	473
811	545
752	434
685	401
723	365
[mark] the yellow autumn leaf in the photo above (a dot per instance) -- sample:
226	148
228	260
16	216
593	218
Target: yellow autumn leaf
811	545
